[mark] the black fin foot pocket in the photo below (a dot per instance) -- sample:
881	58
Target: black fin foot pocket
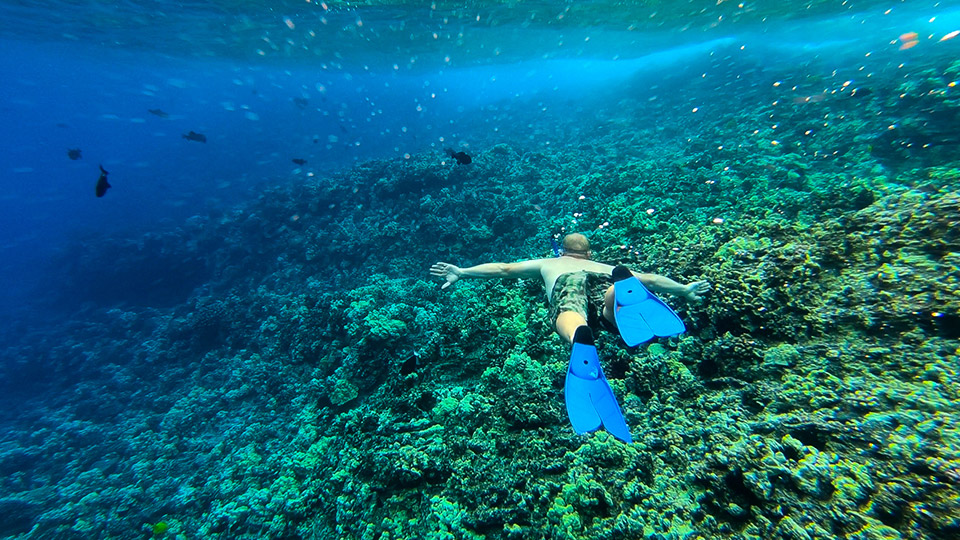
621	273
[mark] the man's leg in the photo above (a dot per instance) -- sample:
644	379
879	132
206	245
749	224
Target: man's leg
608	306
567	324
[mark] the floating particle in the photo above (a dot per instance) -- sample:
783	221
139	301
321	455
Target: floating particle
909	45
289	22
951	35
582	197
650	211
908	36
718	221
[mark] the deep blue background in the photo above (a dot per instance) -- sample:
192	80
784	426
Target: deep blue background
56	96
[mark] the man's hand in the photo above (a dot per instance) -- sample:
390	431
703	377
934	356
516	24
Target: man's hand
693	291
446	271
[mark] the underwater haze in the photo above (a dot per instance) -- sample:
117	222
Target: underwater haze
218	222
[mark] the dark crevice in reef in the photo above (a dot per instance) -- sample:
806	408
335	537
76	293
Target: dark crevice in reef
811	435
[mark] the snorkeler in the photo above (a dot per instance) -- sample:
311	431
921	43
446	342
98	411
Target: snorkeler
577	288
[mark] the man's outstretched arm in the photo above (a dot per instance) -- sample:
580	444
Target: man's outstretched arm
451	273
662	284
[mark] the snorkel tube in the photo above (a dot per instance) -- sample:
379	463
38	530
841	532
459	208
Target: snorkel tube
555	246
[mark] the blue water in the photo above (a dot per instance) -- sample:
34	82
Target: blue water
62	90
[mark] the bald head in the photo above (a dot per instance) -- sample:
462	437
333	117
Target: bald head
576	245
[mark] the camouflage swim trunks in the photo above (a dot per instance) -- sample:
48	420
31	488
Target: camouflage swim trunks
580	292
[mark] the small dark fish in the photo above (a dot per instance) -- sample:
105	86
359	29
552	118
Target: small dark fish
461	157
860	92
158	112
193	136
299	161
102	184
301	102
73	153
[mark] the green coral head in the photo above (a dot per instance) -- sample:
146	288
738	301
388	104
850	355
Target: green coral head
160	528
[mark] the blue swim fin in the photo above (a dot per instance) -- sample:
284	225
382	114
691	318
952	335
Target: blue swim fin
589	398
640	315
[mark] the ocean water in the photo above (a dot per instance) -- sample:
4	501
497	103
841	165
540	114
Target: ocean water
241	338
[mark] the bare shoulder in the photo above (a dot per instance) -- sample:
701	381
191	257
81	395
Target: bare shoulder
526	269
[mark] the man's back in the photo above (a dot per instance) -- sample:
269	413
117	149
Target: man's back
553	268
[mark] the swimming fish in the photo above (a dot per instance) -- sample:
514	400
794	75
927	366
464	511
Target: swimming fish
192	136
102	184
461	157
158	112
300	102
73	153
299	161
